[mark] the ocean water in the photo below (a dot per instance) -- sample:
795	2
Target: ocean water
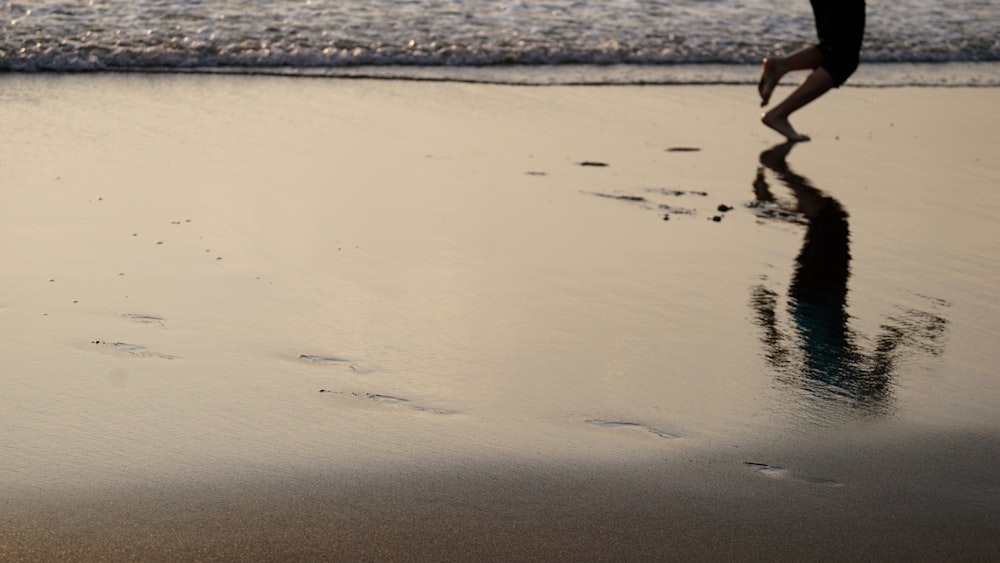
618	41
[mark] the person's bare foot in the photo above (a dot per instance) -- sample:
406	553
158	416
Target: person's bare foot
781	125
770	74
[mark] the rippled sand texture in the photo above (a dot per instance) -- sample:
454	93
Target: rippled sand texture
259	318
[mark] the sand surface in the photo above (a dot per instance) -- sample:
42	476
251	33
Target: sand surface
271	319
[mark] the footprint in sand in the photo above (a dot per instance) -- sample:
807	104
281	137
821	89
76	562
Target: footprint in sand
334	360
323	359
632	425
677	193
145	319
133	350
391	401
777	472
400	402
654	200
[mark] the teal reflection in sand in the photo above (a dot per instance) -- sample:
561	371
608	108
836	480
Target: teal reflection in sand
816	350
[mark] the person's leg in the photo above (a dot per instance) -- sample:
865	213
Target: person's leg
817	84
840	27
773	68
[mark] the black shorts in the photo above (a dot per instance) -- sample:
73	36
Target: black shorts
840	25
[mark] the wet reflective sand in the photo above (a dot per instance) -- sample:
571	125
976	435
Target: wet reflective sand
252	318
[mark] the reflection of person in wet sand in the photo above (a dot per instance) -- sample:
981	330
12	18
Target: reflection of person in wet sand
840	25
823	355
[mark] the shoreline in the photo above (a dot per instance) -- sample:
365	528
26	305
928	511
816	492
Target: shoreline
972	74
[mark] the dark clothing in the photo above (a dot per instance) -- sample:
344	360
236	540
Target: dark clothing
840	25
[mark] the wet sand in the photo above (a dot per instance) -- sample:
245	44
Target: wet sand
266	318
894	503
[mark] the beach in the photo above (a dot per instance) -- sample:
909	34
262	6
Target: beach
290	318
